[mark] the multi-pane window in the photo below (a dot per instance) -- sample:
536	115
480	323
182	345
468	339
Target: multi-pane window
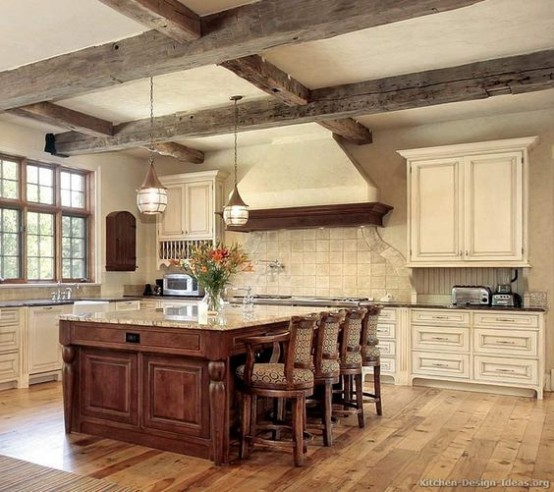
44	222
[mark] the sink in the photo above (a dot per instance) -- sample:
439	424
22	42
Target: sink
80	307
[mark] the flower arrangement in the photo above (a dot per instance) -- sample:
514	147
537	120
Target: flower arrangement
212	266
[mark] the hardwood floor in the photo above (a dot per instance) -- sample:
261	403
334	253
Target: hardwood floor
424	434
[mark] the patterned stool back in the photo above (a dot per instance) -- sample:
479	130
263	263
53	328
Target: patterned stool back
326	356
350	344
370	343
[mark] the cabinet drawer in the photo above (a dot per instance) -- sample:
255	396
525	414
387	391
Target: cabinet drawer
440	317
443	365
135	338
506	320
387	315
9	317
439	338
509	342
9	366
388	366
127	305
387	347
386	330
505	370
9	337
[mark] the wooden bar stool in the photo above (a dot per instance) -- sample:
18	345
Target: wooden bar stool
371	355
351	390
327	367
292	378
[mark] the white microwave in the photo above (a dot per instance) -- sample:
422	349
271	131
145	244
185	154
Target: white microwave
180	284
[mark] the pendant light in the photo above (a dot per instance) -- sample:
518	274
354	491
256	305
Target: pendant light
235	212
152	195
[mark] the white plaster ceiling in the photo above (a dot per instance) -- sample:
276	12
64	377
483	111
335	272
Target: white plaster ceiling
33	30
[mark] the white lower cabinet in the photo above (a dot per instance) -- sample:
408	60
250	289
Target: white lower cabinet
10	344
490	348
43	349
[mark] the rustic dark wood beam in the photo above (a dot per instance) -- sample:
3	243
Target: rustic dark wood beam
66	118
516	74
180	152
267	77
231	34
169	17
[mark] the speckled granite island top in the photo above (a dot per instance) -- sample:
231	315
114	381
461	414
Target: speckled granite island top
232	318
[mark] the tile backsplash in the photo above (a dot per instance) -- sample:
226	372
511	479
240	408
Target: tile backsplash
331	262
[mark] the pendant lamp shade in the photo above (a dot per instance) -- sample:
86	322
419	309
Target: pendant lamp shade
235	212
152	195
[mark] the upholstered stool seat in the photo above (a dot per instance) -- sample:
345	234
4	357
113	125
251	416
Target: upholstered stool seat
272	375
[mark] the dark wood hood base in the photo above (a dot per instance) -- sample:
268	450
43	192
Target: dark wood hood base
344	215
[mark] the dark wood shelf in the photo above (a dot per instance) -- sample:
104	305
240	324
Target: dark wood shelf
343	215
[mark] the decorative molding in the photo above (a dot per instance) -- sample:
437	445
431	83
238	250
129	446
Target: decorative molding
343	215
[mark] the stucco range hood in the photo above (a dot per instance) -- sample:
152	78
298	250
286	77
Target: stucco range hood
344	215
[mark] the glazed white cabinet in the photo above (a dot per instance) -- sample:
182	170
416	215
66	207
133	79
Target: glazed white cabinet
502	348
10	343
467	204
192	200
43	349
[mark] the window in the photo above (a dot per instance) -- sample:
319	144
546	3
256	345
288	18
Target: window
44	222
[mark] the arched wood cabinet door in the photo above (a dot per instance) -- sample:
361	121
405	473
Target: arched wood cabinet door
121	232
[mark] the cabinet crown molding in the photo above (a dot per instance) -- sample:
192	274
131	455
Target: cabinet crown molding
470	148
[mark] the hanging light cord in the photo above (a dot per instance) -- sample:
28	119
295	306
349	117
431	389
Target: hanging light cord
236	124
151	120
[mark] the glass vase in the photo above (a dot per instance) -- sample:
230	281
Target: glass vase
213	299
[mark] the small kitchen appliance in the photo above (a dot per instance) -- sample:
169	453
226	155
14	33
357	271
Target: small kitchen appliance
180	284
471	295
503	296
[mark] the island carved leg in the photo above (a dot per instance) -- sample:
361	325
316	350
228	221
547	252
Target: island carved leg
219	412
68	383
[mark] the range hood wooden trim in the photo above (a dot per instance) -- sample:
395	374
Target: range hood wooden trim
344	215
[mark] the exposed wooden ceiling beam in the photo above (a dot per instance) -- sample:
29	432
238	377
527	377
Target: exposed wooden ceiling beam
179	152
517	74
231	34
66	118
169	17
267	77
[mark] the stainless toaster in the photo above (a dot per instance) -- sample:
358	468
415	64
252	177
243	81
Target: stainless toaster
471	295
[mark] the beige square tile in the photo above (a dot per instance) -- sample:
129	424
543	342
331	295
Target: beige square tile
309	235
336	233
336	270
322	282
309	245
296	245
349	257
350	233
363	257
322	234
309	268
296	268
322	245
323	269
350	269
322	292
335	258
296	257
350	245
336	245
284	235
322	257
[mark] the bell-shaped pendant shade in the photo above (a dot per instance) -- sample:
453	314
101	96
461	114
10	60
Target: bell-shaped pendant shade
235	213
152	195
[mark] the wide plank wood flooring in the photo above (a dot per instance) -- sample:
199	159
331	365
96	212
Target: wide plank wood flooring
452	437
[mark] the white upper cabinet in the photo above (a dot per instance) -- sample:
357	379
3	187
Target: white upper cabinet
192	200
467	204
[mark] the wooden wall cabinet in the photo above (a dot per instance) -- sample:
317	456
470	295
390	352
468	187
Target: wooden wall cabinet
121	237
467	204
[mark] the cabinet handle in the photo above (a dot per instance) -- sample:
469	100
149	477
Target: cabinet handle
505	342
47	307
440	339
439	364
439	317
506	320
499	369
467	252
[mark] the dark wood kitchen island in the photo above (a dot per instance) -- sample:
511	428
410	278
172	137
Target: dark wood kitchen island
140	377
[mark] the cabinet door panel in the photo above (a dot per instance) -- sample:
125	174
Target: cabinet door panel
494	207
44	347
435	210
109	385
174	399
171	225
199	210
